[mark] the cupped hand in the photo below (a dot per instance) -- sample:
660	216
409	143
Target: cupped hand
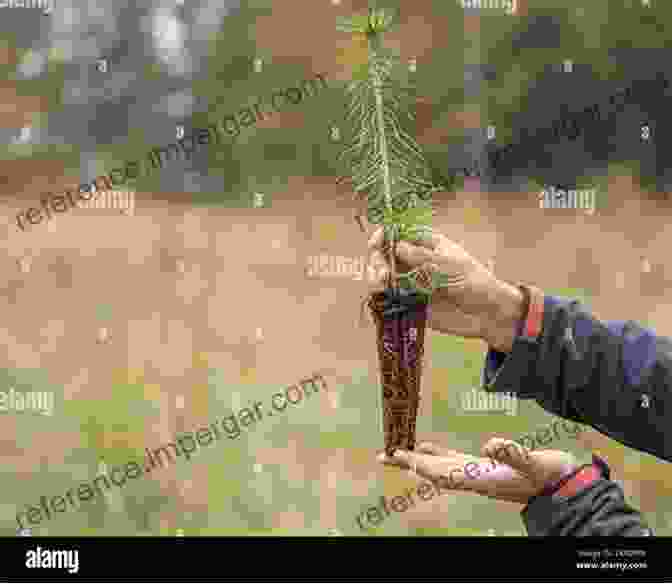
506	471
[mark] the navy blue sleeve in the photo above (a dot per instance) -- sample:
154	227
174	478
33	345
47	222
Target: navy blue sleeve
599	509
614	376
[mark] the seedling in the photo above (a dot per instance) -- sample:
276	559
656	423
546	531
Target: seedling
392	179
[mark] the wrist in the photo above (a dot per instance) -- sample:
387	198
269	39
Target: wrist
573	478
558	479
508	312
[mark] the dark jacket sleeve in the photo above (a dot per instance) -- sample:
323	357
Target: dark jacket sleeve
599	509
613	376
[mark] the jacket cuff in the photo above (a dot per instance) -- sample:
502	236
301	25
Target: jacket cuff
545	513
514	371
587	503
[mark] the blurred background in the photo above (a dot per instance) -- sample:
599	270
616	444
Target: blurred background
163	321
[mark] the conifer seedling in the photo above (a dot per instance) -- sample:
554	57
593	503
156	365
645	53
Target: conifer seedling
392	178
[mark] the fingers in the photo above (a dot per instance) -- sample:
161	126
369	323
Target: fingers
380	270
431	241
415	462
433	248
415	255
388	460
377	238
455	471
394	460
428	448
412	254
409	461
450	473
508	452
435	450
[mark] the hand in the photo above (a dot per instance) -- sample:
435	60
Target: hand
507	471
474	303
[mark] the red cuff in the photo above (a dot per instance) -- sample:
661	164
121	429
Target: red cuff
579	481
534	300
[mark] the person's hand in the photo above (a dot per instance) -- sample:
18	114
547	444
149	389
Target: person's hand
472	304
507	471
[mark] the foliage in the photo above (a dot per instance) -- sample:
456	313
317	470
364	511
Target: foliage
526	88
388	168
